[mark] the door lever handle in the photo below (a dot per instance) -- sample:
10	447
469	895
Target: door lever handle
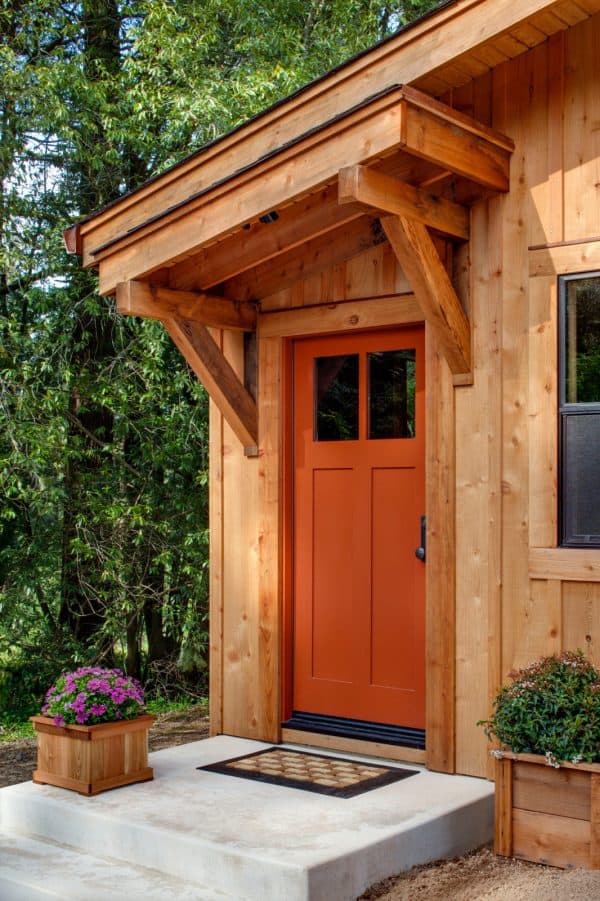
421	552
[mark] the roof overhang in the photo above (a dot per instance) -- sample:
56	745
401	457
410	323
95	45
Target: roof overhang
449	47
400	130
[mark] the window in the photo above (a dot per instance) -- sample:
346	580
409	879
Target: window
579	409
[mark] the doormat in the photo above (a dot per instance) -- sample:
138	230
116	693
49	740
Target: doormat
334	776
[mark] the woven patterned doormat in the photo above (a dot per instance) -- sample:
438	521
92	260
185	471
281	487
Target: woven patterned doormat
335	776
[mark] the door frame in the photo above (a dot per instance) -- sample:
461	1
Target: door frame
275	397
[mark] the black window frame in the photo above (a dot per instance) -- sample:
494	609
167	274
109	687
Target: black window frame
566	410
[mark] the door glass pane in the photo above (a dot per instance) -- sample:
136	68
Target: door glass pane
391	375
582	352
336	398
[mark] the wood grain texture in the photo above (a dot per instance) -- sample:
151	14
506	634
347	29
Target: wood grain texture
581	618
441	559
270	537
568	564
240	574
543	406
378	191
595	822
151	301
503	838
555	840
216	561
353	746
216	374
460	151
564	792
91	759
348	315
433	289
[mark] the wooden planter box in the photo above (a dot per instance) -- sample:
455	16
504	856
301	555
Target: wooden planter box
548	815
92	759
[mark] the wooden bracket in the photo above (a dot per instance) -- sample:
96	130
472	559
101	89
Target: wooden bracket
433	289
137	298
218	377
375	190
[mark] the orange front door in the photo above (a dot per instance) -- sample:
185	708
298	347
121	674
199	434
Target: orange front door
358	498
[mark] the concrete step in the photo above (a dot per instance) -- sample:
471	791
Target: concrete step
257	841
31	869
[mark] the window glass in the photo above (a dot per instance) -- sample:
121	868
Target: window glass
391	380
582	341
336	398
580	410
581	478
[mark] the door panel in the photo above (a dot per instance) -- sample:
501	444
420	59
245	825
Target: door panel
358	494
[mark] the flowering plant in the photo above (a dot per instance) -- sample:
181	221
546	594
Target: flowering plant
92	695
552	708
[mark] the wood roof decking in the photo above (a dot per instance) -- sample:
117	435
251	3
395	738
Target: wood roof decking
446	49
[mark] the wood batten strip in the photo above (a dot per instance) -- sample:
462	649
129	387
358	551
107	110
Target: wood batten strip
135	298
217	375
564	257
375	190
564	564
433	289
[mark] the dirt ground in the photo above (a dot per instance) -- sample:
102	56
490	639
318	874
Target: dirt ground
480	876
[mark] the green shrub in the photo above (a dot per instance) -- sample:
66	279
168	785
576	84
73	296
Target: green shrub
551	707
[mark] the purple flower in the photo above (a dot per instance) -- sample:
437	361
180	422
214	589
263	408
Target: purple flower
82	718
59	720
118	696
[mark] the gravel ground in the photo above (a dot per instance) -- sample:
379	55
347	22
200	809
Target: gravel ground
480	876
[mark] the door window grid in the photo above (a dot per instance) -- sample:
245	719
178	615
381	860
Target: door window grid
390	395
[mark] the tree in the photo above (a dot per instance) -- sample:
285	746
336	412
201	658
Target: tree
103	430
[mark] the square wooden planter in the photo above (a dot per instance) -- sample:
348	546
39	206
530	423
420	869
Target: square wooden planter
92	759
548	815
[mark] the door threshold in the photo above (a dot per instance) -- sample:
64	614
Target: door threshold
353	745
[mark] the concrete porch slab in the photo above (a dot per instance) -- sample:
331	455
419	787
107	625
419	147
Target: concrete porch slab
251	840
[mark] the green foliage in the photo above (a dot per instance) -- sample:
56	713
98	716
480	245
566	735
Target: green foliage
551	707
103	429
15	729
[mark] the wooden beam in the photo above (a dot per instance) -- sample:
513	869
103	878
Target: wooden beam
374	190
433	289
454	142
151	301
377	312
217	375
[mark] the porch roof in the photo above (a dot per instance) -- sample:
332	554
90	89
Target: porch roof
350	161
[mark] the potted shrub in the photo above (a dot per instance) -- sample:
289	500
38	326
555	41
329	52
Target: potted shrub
93	733
547	721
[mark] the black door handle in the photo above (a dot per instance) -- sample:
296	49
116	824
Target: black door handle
421	552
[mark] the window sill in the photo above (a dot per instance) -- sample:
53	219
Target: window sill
565	564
